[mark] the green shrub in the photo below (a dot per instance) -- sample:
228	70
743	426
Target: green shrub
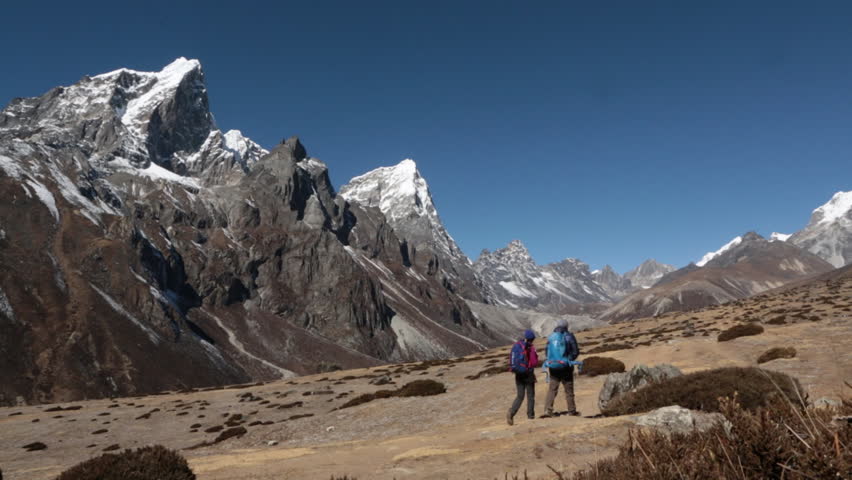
593	366
753	386
147	463
777	441
742	330
777	352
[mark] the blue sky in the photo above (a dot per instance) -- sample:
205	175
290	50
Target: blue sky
611	132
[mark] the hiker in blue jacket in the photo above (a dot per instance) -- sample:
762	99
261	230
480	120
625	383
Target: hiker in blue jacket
522	361
562	351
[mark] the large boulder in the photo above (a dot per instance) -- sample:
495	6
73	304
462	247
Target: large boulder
676	419
620	383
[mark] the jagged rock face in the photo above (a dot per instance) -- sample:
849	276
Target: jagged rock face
740	269
515	280
141	250
829	232
648	273
402	195
615	285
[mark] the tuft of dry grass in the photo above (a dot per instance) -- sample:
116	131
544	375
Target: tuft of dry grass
141	464
593	366
742	330
754	387
777	352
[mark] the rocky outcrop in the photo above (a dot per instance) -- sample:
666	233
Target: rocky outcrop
648	273
616	286
676	419
640	375
145	250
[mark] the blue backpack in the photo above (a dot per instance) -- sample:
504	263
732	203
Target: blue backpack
558	351
518	359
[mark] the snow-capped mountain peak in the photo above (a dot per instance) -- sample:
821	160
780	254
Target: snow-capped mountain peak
779	237
155	88
711	255
244	149
829	232
403	196
838	207
398	191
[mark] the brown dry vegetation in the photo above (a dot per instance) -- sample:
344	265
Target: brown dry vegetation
417	388
777	352
742	330
778	441
754	388
593	366
142	464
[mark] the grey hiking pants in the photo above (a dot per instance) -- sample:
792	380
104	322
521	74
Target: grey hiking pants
525	383
564	377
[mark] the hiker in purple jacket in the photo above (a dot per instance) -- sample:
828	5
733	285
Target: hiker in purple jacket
522	361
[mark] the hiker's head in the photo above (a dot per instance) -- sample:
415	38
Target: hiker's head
561	325
529	335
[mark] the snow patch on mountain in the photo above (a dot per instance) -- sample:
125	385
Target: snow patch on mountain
779	237
711	255
45	196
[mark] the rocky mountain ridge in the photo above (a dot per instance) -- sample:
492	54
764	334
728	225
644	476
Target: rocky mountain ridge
156	252
747	266
513	279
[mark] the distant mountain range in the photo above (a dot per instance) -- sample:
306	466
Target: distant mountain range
144	249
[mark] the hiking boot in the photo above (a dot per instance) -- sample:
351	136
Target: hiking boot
548	414
509	418
573	413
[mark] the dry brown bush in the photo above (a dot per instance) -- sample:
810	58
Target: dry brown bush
777	352
147	463
593	366
742	330
782	440
417	388
755	388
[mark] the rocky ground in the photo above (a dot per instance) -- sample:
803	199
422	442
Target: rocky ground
293	429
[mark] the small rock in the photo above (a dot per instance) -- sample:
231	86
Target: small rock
272	443
383	380
676	419
329	429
